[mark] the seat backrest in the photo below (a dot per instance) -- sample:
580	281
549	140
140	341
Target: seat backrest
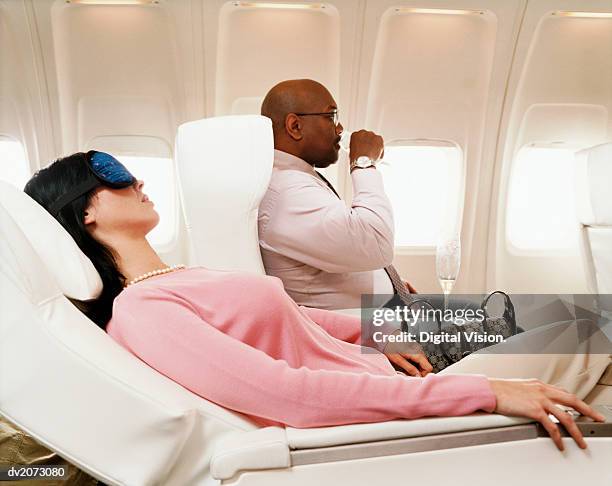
594	210
69	385
224	166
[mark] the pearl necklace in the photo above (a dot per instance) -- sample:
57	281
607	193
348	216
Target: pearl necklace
153	273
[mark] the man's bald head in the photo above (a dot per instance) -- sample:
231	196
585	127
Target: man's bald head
312	138
292	96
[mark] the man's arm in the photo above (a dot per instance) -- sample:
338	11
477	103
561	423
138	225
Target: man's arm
313	226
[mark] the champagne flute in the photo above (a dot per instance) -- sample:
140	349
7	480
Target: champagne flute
345	141
448	261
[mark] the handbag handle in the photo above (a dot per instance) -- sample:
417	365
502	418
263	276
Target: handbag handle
509	314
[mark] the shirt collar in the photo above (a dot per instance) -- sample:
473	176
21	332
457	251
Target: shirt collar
283	161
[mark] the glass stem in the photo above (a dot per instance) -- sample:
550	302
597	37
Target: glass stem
447	287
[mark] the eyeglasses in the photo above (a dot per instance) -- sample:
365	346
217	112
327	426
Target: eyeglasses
330	114
104	169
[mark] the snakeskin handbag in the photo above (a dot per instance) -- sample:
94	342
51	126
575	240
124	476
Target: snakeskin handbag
450	351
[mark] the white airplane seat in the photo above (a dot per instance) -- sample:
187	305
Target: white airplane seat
69	385
224	166
80	394
594	211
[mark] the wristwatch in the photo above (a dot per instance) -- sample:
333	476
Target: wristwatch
363	162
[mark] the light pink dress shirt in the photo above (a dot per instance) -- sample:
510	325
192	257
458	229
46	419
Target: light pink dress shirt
326	254
238	340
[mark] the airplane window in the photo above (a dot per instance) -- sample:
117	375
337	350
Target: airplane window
15	168
424	184
158	176
541	201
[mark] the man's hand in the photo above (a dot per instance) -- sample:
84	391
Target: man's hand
365	143
409	357
536	400
410	288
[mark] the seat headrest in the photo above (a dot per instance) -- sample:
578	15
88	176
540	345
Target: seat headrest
593	181
73	271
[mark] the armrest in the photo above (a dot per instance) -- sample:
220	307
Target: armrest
271	447
259	449
396	429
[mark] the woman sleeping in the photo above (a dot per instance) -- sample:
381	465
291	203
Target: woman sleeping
238	339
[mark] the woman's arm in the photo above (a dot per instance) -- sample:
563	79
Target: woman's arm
341	326
348	328
166	332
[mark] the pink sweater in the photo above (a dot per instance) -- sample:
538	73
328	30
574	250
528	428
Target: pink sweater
239	340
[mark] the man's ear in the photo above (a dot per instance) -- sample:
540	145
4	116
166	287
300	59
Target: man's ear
90	215
293	126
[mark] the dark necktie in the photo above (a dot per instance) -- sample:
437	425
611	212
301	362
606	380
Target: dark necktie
399	287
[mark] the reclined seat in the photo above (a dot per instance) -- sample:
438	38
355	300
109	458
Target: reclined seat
71	387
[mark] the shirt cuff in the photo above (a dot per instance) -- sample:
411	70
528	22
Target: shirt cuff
367	179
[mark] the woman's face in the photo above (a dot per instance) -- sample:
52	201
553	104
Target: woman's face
116	213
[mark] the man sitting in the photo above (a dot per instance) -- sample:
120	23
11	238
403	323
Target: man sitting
326	254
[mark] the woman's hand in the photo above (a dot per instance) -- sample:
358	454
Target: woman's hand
536	400
409	357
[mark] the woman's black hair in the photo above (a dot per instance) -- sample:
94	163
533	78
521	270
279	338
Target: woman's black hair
45	187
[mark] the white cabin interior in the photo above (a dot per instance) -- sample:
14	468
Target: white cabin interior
485	103
487	108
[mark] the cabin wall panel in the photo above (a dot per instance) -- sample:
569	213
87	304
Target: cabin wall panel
142	70
119	71
560	95
441	76
406	71
248	50
12	93
23	109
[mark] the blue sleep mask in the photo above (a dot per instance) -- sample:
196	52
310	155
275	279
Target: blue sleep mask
105	170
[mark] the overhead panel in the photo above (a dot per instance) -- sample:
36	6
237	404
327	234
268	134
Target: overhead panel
262	43
116	70
431	73
566	81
